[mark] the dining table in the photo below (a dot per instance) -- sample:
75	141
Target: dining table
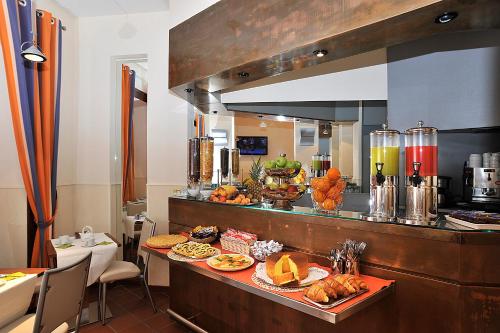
17	286
103	253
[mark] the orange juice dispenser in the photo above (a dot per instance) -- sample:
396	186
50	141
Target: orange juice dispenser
421	174
384	175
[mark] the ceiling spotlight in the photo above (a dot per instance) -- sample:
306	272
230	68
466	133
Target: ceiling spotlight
446	17
281	118
263	124
243	74
32	53
261	116
188	90
297	119
215	112
320	53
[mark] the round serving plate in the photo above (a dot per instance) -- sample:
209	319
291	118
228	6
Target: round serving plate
178	257
315	274
231	269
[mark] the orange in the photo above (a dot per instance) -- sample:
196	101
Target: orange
329	204
340	185
314	182
319	196
323	185
332	192
333	174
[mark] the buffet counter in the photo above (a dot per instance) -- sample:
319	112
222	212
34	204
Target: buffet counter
447	280
245	280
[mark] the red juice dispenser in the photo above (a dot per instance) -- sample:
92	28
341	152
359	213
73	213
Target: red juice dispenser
421	174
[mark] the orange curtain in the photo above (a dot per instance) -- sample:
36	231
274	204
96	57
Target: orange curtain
34	91
128	173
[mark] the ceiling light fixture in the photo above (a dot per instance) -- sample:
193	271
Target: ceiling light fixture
325	131
320	53
188	90
243	74
32	53
446	17
263	124
215	112
281	118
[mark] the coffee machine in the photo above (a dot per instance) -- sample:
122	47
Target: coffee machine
384	175
421	175
482	185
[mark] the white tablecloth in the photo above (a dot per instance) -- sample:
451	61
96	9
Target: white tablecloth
102	255
15	298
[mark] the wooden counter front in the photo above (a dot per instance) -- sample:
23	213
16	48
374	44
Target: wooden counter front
447	281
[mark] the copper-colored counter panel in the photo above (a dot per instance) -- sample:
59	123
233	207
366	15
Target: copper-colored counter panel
266	38
462	257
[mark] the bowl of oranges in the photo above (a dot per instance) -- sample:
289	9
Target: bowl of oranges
327	192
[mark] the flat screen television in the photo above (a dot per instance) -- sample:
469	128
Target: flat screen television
252	145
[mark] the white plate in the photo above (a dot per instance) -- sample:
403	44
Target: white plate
473	225
234	269
315	274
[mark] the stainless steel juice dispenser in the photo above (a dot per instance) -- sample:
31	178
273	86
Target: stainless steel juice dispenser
384	175
421	175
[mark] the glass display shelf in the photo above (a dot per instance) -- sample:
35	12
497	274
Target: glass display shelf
441	223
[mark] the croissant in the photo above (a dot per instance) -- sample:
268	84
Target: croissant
317	294
329	290
338	287
351	282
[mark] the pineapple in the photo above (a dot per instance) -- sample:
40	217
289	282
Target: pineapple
253	184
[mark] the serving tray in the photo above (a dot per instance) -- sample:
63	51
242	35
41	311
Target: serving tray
477	226
334	302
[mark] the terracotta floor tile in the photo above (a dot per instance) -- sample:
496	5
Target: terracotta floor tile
96	328
123	322
141	327
159	321
175	328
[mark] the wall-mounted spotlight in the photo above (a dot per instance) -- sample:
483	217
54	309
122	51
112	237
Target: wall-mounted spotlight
243	74
188	90
320	53
32	53
446	17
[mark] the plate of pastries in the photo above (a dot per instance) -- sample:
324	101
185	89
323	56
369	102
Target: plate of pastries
195	250
165	241
335	290
289	269
201	234
230	262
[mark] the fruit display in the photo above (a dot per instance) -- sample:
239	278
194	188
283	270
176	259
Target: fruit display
282	167
327	191
253	184
301	177
284	191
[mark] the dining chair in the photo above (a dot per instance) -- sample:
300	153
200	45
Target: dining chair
60	300
123	270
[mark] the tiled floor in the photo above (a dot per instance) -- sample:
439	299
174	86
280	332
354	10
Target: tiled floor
132	312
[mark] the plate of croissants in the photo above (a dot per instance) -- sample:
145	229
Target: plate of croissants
335	290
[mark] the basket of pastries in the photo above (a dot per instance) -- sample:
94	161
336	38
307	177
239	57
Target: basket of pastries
202	234
237	241
165	241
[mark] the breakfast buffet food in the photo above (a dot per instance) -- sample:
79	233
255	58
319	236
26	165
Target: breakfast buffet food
327	191
478	217
229	194
204	234
230	262
282	165
165	241
253	183
194	250
334	287
287	267
237	241
262	249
